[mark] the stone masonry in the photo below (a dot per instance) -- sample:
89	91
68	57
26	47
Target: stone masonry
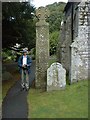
79	47
73	46
42	48
89	40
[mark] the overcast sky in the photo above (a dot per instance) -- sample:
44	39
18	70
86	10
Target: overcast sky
39	3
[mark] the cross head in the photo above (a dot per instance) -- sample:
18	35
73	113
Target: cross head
42	13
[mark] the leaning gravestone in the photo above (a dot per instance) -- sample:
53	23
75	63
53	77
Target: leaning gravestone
56	77
42	48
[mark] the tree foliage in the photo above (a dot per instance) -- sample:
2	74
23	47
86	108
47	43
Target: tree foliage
17	24
56	15
53	42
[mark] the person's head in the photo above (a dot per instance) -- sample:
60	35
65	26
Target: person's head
24	52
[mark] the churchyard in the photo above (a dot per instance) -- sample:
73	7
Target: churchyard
69	103
58	82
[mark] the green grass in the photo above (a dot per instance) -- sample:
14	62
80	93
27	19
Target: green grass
7	84
69	103
52	59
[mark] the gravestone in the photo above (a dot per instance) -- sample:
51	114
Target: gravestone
42	48
56	77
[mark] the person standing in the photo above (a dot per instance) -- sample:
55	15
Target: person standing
24	64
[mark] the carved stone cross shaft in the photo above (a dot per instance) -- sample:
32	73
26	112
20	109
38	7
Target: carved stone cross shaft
42	48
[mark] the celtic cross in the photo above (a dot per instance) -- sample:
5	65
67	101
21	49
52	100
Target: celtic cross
42	13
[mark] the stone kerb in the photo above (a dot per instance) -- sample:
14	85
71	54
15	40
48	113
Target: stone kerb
56	77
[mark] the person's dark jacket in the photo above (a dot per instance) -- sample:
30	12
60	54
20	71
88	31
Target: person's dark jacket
20	63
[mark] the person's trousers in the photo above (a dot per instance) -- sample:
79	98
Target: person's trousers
24	79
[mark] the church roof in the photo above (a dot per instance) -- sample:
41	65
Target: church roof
68	5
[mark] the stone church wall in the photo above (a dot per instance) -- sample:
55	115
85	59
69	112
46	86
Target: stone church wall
74	41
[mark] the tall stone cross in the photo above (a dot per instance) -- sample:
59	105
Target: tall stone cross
42	48
42	13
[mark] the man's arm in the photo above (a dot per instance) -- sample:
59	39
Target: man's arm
19	62
29	62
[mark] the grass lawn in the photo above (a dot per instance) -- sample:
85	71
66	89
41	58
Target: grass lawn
7	84
52	59
69	103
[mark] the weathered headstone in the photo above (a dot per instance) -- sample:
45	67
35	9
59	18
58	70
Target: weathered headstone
56	77
42	48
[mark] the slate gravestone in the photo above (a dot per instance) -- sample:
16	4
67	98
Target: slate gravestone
42	48
56	77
